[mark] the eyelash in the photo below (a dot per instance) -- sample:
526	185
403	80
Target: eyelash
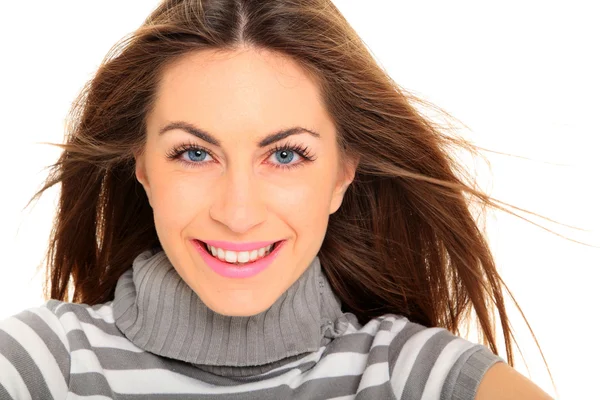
303	151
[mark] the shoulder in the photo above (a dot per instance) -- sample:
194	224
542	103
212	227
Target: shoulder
61	318
502	382
37	345
34	354
429	362
36	326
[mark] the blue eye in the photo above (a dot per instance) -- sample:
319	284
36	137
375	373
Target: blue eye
190	155
284	156
290	156
196	155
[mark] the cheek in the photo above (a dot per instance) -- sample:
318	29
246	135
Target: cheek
177	200
303	203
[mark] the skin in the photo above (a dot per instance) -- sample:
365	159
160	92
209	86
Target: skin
238	191
503	382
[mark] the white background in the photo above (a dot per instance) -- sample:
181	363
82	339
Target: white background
523	75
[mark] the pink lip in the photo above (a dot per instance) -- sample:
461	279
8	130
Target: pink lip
237	271
237	246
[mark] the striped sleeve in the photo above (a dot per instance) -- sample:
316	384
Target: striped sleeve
432	363
34	356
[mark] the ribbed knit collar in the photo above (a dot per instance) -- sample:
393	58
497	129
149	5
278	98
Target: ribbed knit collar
157	311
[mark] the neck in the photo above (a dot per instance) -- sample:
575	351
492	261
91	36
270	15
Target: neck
157	311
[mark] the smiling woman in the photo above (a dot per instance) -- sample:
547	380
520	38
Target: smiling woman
251	208
255	179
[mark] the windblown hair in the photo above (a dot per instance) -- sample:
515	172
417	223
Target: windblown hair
404	241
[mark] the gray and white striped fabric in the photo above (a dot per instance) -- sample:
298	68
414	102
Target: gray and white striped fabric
74	351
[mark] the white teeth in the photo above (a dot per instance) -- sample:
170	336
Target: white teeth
240	257
243	257
230	256
253	255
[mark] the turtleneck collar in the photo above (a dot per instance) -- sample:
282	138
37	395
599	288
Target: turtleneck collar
157	311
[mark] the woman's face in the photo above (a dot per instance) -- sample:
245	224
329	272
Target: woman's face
215	170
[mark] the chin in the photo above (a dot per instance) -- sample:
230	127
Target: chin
239	311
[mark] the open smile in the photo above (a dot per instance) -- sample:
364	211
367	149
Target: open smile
238	264
239	257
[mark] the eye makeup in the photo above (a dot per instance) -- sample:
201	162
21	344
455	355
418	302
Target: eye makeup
179	153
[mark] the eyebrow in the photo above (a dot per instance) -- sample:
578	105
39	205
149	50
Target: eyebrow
207	137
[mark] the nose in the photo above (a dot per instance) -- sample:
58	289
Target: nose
238	202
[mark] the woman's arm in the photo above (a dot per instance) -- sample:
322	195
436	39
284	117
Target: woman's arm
503	382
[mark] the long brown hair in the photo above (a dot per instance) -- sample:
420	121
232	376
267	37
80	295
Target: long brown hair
404	240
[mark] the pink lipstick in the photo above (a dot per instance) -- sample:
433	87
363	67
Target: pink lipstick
237	270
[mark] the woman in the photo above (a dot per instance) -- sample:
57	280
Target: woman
252	209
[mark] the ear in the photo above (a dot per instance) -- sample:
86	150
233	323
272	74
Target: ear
345	178
141	175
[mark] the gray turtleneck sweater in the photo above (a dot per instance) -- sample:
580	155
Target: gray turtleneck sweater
157	340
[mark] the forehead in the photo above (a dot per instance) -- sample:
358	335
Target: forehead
226	91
